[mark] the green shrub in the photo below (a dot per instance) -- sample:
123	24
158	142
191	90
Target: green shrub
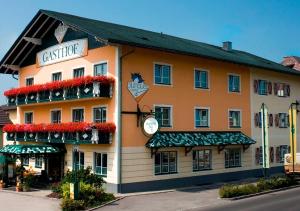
70	205
65	190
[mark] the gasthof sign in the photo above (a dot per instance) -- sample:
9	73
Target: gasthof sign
62	52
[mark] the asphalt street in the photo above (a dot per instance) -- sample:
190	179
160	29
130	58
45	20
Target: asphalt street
288	200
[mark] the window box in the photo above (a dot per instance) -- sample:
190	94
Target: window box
20	136
11	101
10	136
43	136
32	98
86	91
71	93
30	136
44	96
56	137
85	136
57	94
21	99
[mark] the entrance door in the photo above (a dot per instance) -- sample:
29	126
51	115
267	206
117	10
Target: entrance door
55	168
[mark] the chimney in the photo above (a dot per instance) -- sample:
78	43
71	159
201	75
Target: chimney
227	46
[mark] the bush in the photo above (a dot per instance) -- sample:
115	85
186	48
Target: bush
70	204
229	191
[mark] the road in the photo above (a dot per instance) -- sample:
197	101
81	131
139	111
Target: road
287	200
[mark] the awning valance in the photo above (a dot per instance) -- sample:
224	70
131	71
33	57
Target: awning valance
30	149
192	139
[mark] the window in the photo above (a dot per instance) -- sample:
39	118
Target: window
234	83
28	117
163	116
25	161
100	69
201	79
202	117
56	116
38	162
162	74
99	114
283	120
78	115
101	164
283	149
262	87
165	163
56	76
201	160
232	158
234	119
79	160
29	81
282	90
78	72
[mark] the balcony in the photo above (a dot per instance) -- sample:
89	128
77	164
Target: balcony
78	88
69	133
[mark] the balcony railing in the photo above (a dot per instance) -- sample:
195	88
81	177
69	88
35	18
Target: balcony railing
71	133
85	87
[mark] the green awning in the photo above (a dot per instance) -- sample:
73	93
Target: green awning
192	139
30	149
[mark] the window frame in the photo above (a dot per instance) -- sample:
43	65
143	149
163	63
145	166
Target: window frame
161	163
77	69
171	115
79	160
207	79
77	108
195	115
95	163
28	112
102	107
171	74
240	112
29	78
54	110
100	63
55	73
286	125
198	162
240	82
228	162
38	162
259	87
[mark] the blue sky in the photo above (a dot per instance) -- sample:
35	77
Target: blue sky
268	28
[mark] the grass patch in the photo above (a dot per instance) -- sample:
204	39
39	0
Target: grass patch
230	191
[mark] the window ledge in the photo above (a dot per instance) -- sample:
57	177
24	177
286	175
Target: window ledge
235	127
209	169
233	167
166	173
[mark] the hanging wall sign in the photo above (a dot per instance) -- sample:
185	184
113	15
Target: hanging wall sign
150	125
137	87
62	52
60	32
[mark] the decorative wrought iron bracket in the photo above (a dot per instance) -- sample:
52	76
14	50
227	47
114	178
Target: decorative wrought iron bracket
245	147
153	151
139	114
221	148
187	150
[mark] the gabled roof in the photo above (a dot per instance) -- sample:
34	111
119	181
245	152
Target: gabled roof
120	34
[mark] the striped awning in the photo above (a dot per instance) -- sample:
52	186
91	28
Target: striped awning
30	149
192	139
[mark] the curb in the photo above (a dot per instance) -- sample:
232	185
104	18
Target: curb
105	204
261	193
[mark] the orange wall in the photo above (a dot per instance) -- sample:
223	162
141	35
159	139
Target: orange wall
44	74
181	94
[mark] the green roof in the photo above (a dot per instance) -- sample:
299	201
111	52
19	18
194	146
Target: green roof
193	139
30	149
110	33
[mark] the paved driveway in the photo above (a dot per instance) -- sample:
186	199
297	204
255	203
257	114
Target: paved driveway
19	201
183	199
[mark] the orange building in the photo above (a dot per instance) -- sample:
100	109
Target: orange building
94	92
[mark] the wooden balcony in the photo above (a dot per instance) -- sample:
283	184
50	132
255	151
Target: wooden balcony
69	133
80	88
